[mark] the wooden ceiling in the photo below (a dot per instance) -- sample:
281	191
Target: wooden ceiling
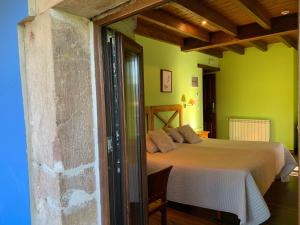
215	26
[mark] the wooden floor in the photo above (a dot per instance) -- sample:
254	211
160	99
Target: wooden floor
282	199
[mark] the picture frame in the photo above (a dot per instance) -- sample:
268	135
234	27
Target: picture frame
195	81
165	81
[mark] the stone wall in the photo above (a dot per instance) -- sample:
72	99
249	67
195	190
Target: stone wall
58	96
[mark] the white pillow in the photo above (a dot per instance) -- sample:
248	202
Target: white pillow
189	134
162	140
174	134
150	146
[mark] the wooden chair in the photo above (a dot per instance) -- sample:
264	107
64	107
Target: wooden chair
157	192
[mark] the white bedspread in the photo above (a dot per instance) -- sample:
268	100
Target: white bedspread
229	176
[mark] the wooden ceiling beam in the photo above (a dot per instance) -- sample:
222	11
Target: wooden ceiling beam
213	52
236	48
208	67
254	9
148	30
164	19
283	25
289	42
208	14
259	44
128	10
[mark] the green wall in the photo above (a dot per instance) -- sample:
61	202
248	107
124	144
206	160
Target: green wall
259	85
159	55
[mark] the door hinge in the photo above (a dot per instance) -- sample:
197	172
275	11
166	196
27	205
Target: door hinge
119	166
109	145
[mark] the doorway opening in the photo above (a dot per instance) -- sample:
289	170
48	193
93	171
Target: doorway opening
209	74
209	99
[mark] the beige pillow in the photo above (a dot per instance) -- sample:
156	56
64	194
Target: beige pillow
162	140
150	146
189	134
174	134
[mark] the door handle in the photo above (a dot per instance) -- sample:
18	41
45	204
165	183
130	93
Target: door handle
213	107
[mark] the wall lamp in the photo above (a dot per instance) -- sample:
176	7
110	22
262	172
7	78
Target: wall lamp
191	101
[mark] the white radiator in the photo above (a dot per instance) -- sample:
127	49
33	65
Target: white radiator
249	129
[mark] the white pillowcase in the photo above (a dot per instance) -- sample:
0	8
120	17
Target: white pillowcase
162	140
174	134
150	146
189	134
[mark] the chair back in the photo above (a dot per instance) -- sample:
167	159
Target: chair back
157	184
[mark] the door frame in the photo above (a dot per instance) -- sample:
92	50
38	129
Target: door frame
206	70
125	12
211	134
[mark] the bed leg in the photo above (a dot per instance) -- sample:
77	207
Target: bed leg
219	215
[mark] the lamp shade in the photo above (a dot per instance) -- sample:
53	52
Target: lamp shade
192	101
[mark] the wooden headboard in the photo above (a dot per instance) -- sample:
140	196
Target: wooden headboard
152	112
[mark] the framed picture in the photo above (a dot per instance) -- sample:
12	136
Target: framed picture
165	81
194	81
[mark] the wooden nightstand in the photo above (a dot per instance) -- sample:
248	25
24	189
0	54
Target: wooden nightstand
203	134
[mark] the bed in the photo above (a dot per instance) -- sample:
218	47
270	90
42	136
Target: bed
223	175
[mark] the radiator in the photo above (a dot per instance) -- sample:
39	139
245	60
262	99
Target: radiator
249	129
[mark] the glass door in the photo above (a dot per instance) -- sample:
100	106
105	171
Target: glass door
123	59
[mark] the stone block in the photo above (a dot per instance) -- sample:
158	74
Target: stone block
55	187
73	88
59	119
86	214
45	214
59	90
40	87
76	147
46	185
84	180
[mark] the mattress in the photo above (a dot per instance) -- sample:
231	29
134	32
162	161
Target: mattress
223	175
